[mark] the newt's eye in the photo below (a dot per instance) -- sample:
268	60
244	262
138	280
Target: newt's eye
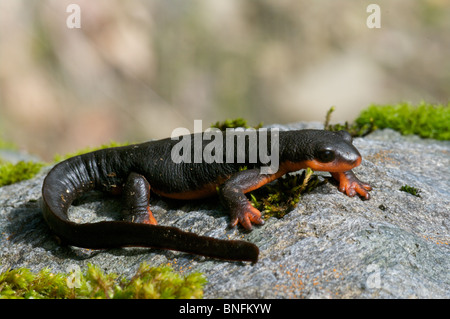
325	156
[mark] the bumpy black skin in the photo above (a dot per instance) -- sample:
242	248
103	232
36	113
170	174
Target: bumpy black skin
134	169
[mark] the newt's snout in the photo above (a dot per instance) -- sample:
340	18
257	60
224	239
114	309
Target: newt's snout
352	158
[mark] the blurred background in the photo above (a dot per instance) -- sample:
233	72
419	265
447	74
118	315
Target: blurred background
135	70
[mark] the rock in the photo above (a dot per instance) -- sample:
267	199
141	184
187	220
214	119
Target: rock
394	245
14	156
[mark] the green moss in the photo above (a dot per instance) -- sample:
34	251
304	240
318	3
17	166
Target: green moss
147	283
12	173
21	283
355	129
280	197
426	120
411	190
234	123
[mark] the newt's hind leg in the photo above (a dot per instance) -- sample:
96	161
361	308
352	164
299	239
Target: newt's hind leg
136	200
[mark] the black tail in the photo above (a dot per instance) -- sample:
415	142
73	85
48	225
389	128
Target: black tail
111	234
69	179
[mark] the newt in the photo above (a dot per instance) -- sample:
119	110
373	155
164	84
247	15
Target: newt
135	170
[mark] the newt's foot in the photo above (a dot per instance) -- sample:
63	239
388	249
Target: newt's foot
246	215
351	185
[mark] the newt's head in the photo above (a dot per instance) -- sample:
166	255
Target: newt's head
323	151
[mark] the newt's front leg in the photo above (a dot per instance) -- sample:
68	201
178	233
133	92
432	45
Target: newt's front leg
351	185
233	196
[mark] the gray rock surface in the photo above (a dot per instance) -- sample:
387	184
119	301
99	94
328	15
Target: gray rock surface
395	245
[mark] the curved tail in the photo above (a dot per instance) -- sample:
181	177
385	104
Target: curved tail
69	179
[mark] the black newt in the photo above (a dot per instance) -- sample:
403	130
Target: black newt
134	170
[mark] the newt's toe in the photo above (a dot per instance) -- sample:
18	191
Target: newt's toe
246	217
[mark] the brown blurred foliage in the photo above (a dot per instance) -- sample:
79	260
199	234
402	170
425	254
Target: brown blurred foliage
137	69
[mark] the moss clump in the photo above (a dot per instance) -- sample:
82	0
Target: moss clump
355	129
235	123
22	284
426	120
411	190
147	283
280	197
12	173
